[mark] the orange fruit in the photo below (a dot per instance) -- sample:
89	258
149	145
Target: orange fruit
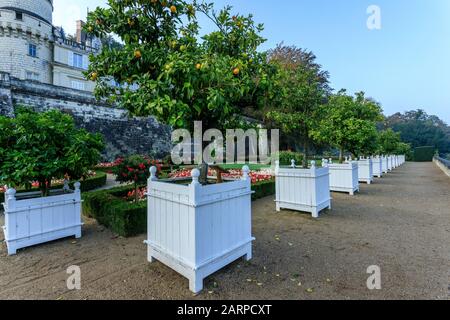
173	9
137	54
236	71
198	66
94	76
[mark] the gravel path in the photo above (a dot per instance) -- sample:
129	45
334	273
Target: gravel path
401	223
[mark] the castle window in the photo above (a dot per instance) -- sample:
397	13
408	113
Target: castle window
32	76
19	15
78	60
32	50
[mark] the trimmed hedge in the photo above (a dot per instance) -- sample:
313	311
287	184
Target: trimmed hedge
87	185
129	219
110	209
424	154
263	189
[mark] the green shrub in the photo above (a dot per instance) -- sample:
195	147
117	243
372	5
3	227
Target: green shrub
424	154
98	181
287	156
263	189
110	209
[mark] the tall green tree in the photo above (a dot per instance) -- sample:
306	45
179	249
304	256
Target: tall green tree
419	129
304	88
390	142
348	123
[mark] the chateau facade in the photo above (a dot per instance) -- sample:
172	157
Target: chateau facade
31	48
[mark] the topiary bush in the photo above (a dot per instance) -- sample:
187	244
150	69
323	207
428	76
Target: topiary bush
424	154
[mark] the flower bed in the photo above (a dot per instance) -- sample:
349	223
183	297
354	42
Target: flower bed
108	167
234	174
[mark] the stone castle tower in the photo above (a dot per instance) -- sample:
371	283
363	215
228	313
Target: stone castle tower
26	36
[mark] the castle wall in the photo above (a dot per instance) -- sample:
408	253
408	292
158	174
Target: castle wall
123	135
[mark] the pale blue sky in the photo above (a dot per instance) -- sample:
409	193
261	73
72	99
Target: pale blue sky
405	65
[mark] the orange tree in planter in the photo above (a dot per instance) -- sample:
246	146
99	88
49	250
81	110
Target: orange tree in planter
166	69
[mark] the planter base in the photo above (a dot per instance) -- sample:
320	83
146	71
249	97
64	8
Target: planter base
14	245
345	190
368	181
304	208
197	275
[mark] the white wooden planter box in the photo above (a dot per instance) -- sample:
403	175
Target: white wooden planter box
377	166
365	171
38	220
390	163
343	177
197	230
384	164
402	159
306	190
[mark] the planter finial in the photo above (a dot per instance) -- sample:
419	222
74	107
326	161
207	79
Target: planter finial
153	171
245	171
77	186
11	194
324	163
313	164
293	163
195	174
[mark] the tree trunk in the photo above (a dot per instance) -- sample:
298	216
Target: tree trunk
43	187
341	155
305	151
